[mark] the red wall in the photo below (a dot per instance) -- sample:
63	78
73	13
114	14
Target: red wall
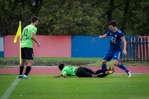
51	46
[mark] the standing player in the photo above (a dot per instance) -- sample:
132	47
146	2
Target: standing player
28	37
116	36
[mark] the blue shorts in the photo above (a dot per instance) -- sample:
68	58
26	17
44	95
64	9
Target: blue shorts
112	54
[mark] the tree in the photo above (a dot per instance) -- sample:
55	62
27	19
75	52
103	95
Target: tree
126	9
75	17
137	23
67	17
111	6
11	12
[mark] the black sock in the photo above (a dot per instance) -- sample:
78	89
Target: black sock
21	70
100	71
28	69
101	75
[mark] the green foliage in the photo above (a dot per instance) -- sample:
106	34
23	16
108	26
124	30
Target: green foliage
138	18
67	17
75	17
11	12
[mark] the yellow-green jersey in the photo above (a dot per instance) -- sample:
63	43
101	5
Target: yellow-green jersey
69	70
26	41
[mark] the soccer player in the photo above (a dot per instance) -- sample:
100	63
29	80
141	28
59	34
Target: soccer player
28	37
82	71
116	36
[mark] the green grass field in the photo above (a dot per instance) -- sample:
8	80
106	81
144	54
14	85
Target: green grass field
116	86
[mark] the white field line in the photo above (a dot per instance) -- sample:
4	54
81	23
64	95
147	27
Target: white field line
10	89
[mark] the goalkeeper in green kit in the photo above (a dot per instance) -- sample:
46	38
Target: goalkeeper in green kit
27	38
69	70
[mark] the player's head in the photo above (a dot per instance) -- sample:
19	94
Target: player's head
34	20
113	25
61	66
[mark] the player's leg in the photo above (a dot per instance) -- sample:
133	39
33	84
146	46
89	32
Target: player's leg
104	64
106	73
81	72
28	68
29	57
106	58
22	68
22	63
88	70
102	75
120	65
100	71
108	69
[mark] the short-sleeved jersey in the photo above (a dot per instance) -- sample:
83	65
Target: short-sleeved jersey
115	39
69	70
26	41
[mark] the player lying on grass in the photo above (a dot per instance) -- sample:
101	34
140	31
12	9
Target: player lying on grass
83	71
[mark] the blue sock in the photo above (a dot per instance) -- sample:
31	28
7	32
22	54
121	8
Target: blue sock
104	66
123	67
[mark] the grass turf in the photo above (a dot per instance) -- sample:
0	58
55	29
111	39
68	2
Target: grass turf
116	86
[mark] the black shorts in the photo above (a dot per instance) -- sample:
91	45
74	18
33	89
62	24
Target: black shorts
84	72
27	53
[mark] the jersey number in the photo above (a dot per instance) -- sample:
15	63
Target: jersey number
25	34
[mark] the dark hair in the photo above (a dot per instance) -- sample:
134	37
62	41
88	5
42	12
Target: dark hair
113	23
61	66
34	19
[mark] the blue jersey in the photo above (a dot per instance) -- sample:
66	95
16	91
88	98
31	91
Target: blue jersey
115	39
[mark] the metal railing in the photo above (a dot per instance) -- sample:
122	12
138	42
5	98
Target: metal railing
137	50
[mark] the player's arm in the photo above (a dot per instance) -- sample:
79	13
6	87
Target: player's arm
124	45
103	36
33	37
65	75
59	76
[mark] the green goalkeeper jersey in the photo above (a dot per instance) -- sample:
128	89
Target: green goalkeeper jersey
26	41
69	70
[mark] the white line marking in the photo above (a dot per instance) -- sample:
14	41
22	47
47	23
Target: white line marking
10	89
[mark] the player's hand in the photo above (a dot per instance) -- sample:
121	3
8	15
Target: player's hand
100	36
59	76
103	36
56	77
125	52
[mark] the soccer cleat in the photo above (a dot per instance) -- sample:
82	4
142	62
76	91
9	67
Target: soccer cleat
20	76
129	74
25	77
109	72
110	69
